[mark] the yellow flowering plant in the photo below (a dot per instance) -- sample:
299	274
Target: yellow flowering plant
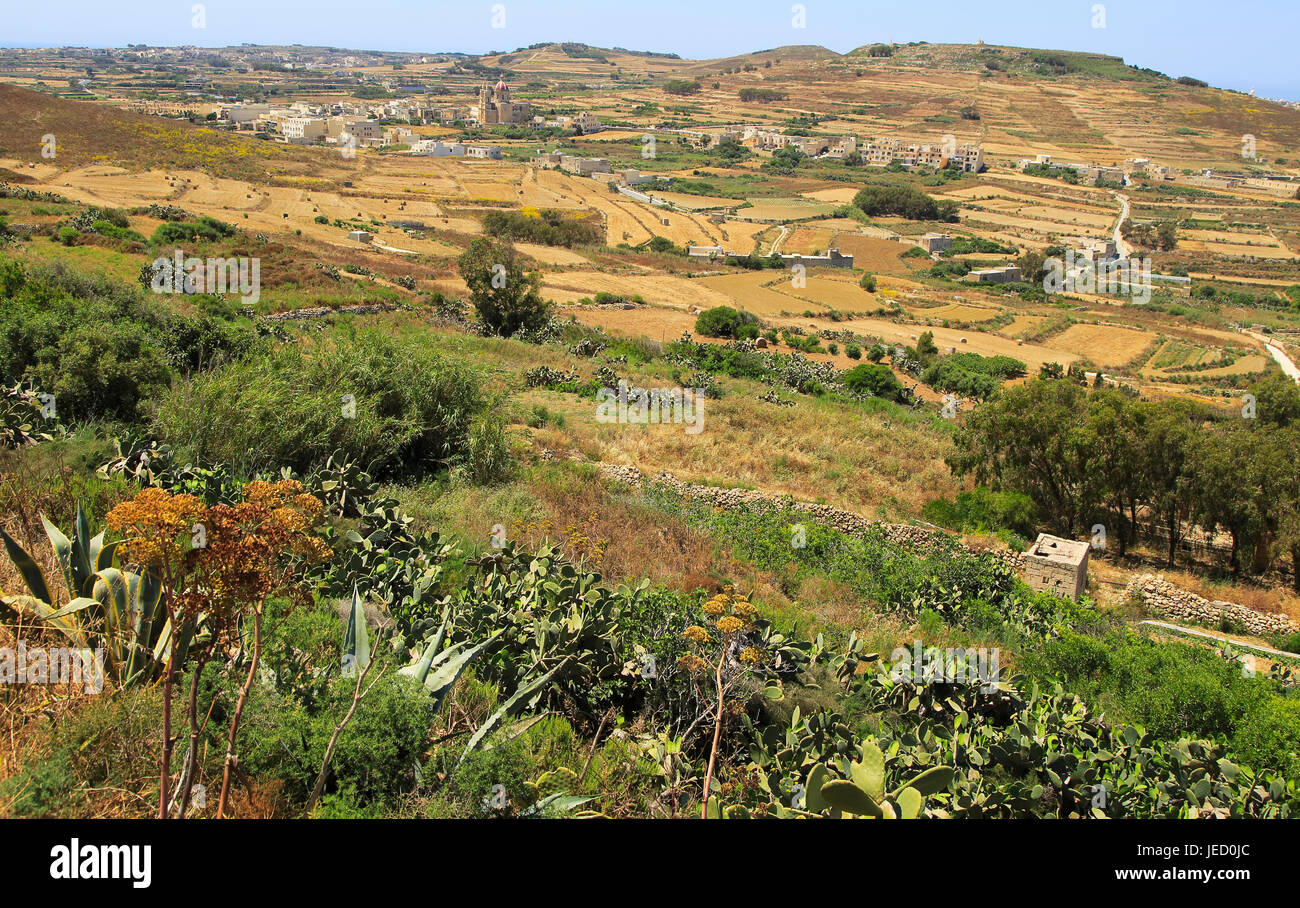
719	656
217	566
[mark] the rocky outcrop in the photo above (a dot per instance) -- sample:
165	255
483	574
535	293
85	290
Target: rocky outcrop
1163	598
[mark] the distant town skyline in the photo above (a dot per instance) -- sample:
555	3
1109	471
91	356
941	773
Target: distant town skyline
1247	45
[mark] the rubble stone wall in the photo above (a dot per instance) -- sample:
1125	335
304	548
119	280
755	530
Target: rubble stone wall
1163	598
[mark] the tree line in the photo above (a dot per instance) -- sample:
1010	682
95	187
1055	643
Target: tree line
1147	470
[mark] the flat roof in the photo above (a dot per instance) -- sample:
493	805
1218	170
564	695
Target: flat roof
1062	551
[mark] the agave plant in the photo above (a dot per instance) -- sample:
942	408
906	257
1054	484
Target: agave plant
122	610
439	668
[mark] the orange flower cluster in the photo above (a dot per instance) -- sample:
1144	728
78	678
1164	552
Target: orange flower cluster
251	545
219	558
157	526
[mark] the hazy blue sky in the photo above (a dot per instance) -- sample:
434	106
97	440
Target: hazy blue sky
1243	44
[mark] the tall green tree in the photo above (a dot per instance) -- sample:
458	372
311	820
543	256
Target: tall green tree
1228	487
1113	477
1168	464
506	296
1028	439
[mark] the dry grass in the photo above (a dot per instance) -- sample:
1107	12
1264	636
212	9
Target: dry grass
871	463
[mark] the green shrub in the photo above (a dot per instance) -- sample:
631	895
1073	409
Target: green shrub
983	510
391	405
1270	737
724	321
99	345
548	227
904	201
1172	689
204	229
875	379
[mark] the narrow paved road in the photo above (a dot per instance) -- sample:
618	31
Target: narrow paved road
1123	248
1178	628
1288	367
776	244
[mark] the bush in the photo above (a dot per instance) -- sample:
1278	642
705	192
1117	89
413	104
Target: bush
724	321
762	95
1173	689
205	228
391	405
853	351
682	86
550	228
875	379
868	282
101	370
1270	738
98	345
983	510
971	375
904	201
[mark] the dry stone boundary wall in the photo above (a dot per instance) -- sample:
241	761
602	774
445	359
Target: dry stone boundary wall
917	538
1158	594
1164	598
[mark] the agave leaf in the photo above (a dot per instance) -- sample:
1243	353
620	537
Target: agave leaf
101	556
560	800
440	682
518	729
81	570
63	551
81	603
849	798
43	611
356	640
420	670
112	590
28	568
520	696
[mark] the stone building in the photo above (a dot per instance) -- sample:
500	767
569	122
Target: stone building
935	242
1056	565
495	106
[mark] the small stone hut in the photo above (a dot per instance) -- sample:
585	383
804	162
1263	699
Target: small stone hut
1056	565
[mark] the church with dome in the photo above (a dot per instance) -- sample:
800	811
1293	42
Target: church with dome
495	106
